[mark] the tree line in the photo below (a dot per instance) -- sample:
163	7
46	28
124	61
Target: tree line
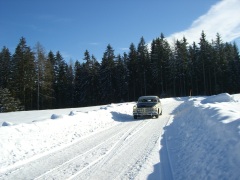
32	79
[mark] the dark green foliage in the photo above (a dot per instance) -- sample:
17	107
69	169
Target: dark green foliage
60	83
69	87
120	79
106	78
23	75
86	81
7	102
5	67
77	84
131	63
143	68
160	58
44	74
43	81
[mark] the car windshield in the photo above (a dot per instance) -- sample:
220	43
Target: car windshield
153	100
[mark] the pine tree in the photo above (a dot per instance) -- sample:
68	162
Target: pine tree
143	68
60	85
218	56
233	68
87	80
7	102
107	84
40	60
182	65
95	81
131	63
5	67
204	58
50	79
120	79
69	86
193	70
77	84
160	54
24	75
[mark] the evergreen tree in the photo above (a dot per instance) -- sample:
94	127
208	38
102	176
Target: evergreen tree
233	68
132	68
218	59
24	75
40	65
41	81
205	51
181	56
143	68
69	86
174	68
193	70
5	67
77	84
120	79
87	80
107	84
7	102
50	80
160	54
60	81
95	80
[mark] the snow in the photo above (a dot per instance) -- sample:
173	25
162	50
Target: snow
203	138
195	138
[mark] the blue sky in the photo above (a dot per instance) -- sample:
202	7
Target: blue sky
76	25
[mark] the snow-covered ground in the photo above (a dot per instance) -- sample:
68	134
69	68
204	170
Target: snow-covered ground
195	138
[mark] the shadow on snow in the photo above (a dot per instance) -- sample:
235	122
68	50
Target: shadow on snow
163	169
117	116
197	145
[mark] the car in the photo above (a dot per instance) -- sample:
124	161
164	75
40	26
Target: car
147	106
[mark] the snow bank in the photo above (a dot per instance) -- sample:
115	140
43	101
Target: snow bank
203	139
224	97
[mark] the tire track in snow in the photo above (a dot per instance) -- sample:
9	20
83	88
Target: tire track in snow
129	155
113	150
64	157
83	161
166	165
118	152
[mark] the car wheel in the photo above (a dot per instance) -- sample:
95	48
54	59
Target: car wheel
135	116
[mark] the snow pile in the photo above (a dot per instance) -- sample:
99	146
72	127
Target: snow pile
72	113
56	116
7	123
203	139
224	97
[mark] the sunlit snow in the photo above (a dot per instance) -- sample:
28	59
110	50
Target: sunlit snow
201	139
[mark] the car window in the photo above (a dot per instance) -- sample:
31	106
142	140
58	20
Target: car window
148	100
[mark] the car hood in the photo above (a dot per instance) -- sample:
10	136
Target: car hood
143	105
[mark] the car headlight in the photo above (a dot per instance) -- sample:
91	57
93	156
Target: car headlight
155	107
135	107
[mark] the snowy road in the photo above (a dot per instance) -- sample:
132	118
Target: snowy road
117	152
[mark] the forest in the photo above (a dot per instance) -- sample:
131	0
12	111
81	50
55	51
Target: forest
32	79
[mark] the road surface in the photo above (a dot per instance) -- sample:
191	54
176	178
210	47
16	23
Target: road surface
120	152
